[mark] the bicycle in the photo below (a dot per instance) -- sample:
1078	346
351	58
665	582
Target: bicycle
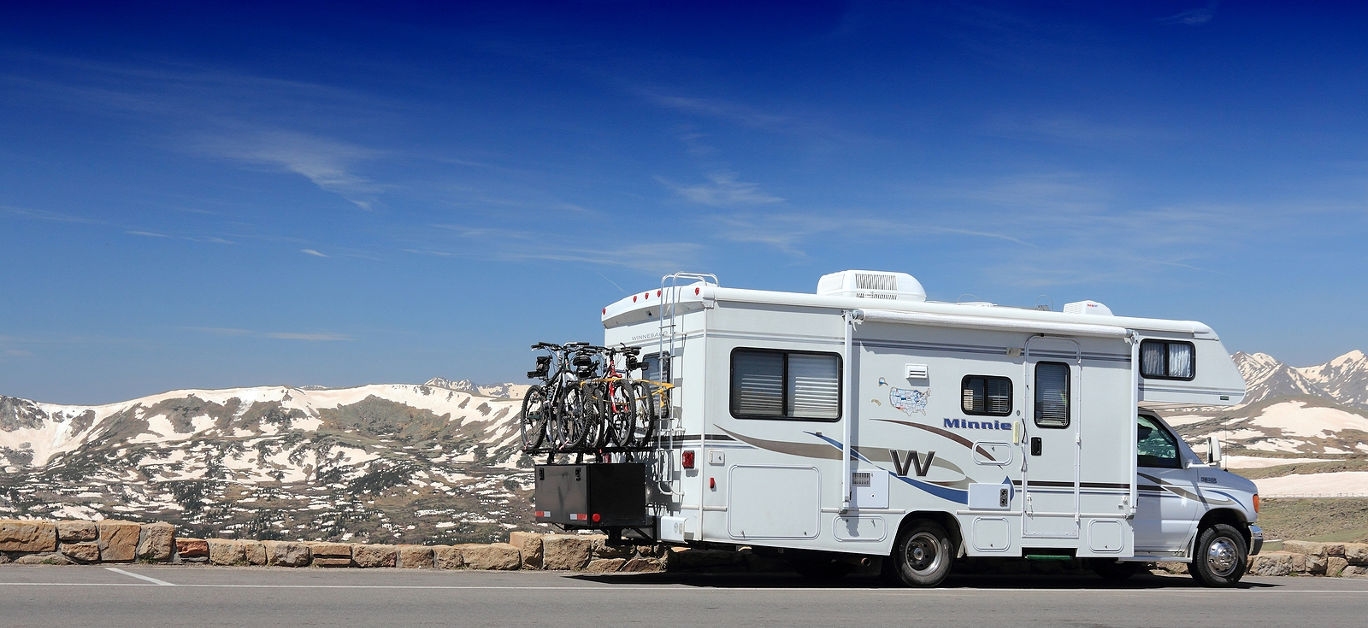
544	404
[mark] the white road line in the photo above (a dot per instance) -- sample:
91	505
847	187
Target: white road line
661	589
130	574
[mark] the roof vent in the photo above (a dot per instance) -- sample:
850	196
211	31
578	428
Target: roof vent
1087	307
871	284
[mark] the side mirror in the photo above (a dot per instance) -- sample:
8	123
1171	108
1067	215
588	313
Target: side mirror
1214	450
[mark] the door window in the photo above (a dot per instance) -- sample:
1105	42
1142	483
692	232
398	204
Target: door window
1155	446
1052	394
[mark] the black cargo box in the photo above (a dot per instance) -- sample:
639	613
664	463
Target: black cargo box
596	495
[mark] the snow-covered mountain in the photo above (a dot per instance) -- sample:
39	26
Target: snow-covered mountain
1344	378
1266	378
384	462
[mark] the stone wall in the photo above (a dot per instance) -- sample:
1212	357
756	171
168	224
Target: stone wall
112	541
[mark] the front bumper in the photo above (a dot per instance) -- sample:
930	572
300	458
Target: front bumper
1255	539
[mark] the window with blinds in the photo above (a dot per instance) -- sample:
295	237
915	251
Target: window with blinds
1167	359
769	384
1052	394
986	395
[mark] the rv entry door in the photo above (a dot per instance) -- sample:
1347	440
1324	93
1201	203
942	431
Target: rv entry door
1054	377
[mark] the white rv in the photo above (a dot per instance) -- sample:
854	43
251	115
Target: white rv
864	419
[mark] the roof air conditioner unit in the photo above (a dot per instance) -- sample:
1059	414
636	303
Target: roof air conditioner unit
871	284
1087	307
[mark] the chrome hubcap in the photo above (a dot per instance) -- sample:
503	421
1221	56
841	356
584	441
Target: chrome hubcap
1221	557
922	553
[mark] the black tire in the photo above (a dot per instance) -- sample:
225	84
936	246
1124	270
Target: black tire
922	554
1115	570
1220	558
620	408
570	420
534	416
644	407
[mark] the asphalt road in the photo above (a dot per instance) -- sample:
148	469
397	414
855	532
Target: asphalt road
137	595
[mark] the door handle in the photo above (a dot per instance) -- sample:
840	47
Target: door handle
1035	445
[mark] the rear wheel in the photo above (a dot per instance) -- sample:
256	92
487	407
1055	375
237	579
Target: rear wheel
534	415
1221	556
644	410
922	554
620	409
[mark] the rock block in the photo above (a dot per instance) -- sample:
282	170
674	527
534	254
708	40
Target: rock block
375	555
28	536
603	550
155	541
85	552
447	557
192	548
1353	571
605	565
1334	549
1315	565
1356	553
1305	547
1173	567
227	552
650	551
416	557
1334	565
566	551
1271	564
331	562
644	565
530	544
1298	563
76	531
287	554
255	551
46	558
331	550
497	556
118	540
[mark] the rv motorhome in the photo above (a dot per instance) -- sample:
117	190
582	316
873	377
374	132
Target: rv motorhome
865	420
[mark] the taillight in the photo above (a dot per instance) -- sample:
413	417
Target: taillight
687	459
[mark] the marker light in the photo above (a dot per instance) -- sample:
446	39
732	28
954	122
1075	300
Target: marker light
1256	502
596	518
687	459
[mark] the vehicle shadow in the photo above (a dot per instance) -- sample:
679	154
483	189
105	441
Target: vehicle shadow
786	580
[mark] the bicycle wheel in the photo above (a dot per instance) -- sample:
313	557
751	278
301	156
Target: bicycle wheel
621	413
644	410
594	421
570	420
533	421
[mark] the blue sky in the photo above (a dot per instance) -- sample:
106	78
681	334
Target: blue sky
337	194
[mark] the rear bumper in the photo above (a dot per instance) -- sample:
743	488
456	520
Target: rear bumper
1255	539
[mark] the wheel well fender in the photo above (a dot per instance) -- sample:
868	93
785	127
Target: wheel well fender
1232	518
946	521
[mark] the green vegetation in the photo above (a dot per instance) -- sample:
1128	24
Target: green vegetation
1338	520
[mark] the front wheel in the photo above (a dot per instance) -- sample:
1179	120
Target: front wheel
1221	556
922	554
534	415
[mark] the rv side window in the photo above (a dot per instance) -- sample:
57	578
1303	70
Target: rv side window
1167	359
768	384
984	394
1052	394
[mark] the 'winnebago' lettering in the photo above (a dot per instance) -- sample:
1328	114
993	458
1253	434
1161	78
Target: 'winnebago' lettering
957	424
910	459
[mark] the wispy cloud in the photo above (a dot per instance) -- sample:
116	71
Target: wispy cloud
327	163
273	335
147	234
49	216
511	245
1192	17
1071	129
716	108
312	252
722	189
